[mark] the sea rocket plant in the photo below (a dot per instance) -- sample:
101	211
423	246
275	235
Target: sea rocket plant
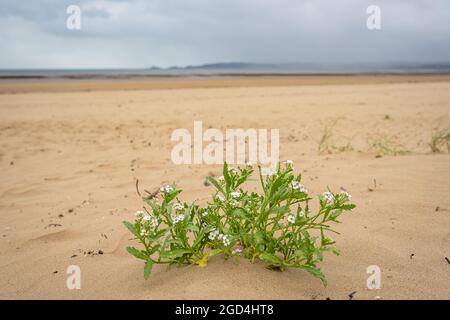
275	226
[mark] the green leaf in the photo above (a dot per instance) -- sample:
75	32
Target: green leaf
171	196
150	202
335	214
239	213
216	184
227	177
148	269
300	254
137	253
174	254
260	236
316	273
214	252
270	258
348	206
193	227
132	228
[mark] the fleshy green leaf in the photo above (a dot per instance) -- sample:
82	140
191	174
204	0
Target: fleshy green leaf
214	252
216	184
132	228
270	258
148	268
137	253
174	254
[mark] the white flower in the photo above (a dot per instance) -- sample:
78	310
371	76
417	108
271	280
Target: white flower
232	170
177	218
272	173
204	212
153	223
166	189
225	240
290	162
143	233
177	206
297	186
249	164
139	214
220	198
221	179
348	195
147	218
234	203
237	249
291	218
328	196
219	237
235	194
213	234
301	214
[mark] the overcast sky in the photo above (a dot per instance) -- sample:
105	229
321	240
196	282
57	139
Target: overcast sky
142	33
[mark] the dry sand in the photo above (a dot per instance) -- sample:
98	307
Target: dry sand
70	153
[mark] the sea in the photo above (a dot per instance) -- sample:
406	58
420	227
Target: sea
229	69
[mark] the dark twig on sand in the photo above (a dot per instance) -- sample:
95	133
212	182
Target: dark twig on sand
137	187
151	195
351	295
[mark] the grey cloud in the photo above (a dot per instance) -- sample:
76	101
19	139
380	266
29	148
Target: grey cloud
139	33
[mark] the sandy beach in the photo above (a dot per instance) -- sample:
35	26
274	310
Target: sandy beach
71	151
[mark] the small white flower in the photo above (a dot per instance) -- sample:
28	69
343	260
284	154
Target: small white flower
301	214
220	198
221	179
234	203
153	223
178	206
290	162
237	249
328	196
232	170
220	236
249	164
224	239
213	234
235	194
272	173
204	212
139	214
166	189
291	218
177	218
143	233
147	218
348	195
295	185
